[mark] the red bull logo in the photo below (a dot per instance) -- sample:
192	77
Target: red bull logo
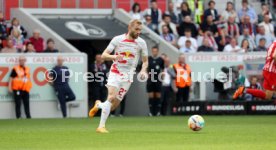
127	54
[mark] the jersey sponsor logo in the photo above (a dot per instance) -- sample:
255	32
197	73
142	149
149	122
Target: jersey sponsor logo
126	54
85	29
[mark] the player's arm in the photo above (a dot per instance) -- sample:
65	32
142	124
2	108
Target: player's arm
144	56
106	55
274	56
145	64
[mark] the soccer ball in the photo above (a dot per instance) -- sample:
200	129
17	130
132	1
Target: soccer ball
196	122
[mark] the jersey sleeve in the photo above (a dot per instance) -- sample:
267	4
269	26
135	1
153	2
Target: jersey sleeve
144	49
112	45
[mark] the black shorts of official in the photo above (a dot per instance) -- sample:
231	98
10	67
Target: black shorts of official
154	87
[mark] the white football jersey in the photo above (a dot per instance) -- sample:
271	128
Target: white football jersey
130	49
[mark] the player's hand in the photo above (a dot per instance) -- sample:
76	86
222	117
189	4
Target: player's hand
143	75
118	57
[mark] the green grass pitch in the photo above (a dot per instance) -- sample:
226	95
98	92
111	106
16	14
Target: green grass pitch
140	133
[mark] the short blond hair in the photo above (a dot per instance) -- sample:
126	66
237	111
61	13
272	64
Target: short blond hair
135	21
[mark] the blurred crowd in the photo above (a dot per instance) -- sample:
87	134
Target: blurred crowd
14	39
190	27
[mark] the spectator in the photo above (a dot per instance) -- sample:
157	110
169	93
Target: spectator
261	46
154	12
182	41
50	46
172	12
177	4
254	84
156	66
37	41
187	48
9	47
3	28
184	11
149	24
246	35
232	27
135	12
208	35
247	11
169	37
187	24
99	68
18	40
29	48
269	28
166	90
232	46
222	39
197	8
245	23
20	85
171	26
245	46
16	25
265	11
268	37
208	24
211	11
229	11
60	82
205	47
183	80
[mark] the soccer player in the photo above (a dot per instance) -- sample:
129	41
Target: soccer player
269	73
128	48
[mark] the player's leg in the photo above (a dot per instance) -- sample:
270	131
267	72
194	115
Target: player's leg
115	96
269	94
268	84
106	107
112	89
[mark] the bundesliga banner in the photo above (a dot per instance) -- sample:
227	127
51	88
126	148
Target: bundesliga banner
225	108
222	108
266	107
39	64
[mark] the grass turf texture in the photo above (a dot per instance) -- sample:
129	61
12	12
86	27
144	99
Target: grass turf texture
140	133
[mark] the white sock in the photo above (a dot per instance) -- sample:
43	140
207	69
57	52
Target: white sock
106	106
100	105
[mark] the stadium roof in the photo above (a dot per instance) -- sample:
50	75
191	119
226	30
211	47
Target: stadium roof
85	28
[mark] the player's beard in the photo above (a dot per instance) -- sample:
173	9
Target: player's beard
133	35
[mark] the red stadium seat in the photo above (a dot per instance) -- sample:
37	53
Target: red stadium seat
68	4
49	4
30	4
86	4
